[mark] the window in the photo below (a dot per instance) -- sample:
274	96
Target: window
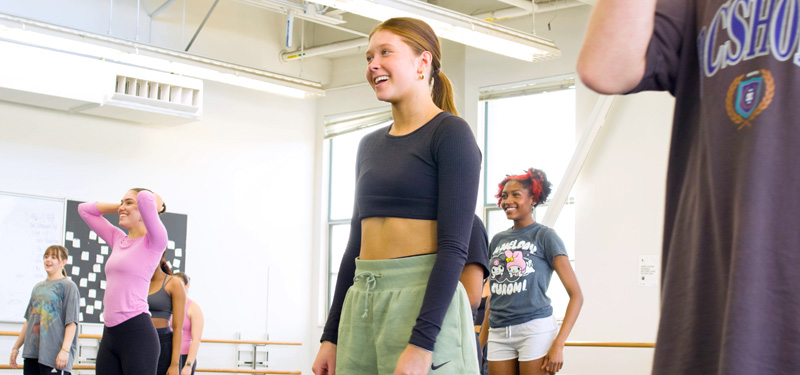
530	124
343	133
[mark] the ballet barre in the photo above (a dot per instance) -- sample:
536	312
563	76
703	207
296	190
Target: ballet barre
596	344
210	341
225	371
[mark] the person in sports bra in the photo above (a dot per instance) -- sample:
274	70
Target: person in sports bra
168	296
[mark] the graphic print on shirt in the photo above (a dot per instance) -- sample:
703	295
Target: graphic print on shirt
45	305
749	95
743	30
510	264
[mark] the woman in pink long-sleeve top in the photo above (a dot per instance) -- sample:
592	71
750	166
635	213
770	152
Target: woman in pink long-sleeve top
130	344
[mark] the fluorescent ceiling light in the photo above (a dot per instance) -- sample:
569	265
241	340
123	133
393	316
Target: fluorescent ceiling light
298	10
110	54
455	26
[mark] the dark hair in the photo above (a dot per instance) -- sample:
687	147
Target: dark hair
534	180
183	276
164	265
420	37
163	205
60	252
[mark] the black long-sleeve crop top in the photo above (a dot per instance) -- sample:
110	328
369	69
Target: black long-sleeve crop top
430	174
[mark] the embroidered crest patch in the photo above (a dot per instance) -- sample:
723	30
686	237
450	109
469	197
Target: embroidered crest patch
749	95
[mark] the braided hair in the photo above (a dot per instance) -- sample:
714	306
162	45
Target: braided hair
534	180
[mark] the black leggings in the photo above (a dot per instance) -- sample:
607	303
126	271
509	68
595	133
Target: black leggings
129	348
165	358
33	367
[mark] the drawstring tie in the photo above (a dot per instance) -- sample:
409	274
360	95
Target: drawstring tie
370	283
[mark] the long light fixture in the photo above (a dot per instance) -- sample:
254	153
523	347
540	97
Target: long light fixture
455	26
292	87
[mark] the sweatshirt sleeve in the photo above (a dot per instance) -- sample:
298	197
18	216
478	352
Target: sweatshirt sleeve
459	163
94	219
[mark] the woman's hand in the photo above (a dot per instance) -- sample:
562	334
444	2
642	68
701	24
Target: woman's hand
187	370
13	361
62	359
325	364
554	359
414	361
173	369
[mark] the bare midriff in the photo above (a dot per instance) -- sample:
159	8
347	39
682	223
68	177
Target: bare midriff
392	237
160	323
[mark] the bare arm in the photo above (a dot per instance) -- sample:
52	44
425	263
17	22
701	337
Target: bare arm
196	315
484	335
17	345
63	355
178	297
472	279
555	357
612	59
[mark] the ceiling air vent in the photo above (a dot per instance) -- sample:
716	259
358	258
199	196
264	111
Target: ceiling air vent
147	96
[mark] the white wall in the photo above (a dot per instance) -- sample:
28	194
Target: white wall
244	175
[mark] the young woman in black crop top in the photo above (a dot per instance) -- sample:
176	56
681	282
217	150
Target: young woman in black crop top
165	296
416	189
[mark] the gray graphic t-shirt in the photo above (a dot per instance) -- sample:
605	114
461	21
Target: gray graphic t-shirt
53	305
521	265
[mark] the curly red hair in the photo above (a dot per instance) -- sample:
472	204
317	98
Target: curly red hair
534	180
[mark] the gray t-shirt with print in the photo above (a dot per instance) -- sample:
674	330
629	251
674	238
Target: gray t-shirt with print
730	291
53	305
521	266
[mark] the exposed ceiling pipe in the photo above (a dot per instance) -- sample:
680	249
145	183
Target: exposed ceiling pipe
519	12
324	49
522	4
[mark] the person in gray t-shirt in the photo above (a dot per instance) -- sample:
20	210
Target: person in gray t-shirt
51	320
523	336
730	290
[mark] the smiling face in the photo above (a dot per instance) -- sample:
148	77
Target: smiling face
516	201
53	262
128	210
393	68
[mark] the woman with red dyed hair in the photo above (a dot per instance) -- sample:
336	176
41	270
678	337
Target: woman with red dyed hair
398	307
523	335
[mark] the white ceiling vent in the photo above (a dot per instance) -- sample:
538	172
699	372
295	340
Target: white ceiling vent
79	84
146	96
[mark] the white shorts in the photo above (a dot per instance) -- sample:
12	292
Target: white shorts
524	342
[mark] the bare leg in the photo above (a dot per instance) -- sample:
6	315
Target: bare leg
508	367
532	367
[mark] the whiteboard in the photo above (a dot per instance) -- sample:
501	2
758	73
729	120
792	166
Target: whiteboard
28	225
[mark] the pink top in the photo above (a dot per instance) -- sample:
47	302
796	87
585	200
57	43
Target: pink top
186	339
132	261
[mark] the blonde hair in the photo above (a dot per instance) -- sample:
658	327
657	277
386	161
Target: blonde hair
60	252
420	37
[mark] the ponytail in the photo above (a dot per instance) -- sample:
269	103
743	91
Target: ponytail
420	37
442	93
